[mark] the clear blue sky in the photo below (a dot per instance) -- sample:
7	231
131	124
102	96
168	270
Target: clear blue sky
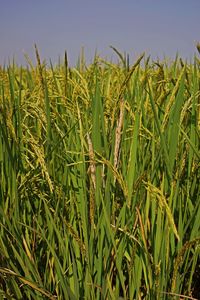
158	27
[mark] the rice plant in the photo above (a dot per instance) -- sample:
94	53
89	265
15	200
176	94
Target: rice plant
99	180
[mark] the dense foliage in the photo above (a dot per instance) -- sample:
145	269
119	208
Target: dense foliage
99	180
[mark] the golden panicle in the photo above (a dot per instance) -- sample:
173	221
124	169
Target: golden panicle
162	202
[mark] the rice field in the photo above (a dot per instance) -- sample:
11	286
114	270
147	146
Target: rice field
99	179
